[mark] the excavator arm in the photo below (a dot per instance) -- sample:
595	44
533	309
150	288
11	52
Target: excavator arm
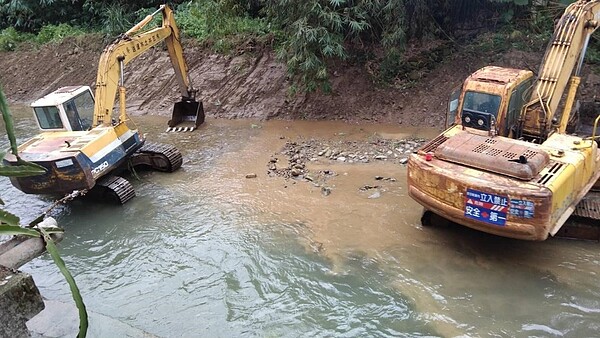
560	67
126	48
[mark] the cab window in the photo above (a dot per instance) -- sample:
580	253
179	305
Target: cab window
482	102
518	98
452	107
48	117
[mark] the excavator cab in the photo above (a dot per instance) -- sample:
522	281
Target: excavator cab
187	115
490	100
65	109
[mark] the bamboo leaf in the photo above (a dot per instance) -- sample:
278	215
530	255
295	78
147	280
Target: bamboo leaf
8	122
17	230
53	251
25	169
337	3
31	165
8	218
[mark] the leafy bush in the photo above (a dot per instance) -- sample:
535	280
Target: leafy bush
10	39
219	24
115	19
53	33
314	31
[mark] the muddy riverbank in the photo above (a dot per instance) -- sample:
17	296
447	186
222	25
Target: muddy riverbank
254	84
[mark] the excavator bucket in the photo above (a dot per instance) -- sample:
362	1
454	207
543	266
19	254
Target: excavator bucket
187	116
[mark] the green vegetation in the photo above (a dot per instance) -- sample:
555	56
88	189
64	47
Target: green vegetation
307	35
54	33
221	27
10	224
10	38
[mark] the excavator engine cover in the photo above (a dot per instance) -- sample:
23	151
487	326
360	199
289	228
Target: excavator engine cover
499	155
186	111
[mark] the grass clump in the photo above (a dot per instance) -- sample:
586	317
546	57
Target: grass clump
219	26
55	33
10	39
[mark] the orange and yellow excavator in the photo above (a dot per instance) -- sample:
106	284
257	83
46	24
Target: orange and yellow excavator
514	160
83	145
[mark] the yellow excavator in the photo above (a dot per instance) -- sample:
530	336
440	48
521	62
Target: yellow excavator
516	160
83	145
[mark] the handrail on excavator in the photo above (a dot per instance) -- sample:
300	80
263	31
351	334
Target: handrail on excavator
594	136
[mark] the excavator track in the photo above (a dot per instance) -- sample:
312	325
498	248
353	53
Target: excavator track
589	207
161	157
583	223
115	188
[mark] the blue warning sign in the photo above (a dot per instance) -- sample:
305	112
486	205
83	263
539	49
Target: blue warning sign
522	208
488	208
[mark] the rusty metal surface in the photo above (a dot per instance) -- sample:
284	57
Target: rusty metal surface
76	176
441	187
433	144
498	74
499	155
517	231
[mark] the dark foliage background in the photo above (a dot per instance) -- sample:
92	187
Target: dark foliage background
307	35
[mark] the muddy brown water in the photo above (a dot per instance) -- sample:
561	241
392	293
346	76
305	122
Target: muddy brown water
206	251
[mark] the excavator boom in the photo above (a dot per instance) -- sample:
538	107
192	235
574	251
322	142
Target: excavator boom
560	68
127	47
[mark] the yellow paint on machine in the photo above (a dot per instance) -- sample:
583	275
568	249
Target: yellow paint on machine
103	139
577	161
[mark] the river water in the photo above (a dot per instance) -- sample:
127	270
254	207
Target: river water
206	251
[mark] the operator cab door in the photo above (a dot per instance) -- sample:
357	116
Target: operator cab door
518	97
79	111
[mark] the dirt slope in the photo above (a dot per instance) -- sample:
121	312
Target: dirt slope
250	84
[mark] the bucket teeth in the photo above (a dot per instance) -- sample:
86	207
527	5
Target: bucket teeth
180	129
